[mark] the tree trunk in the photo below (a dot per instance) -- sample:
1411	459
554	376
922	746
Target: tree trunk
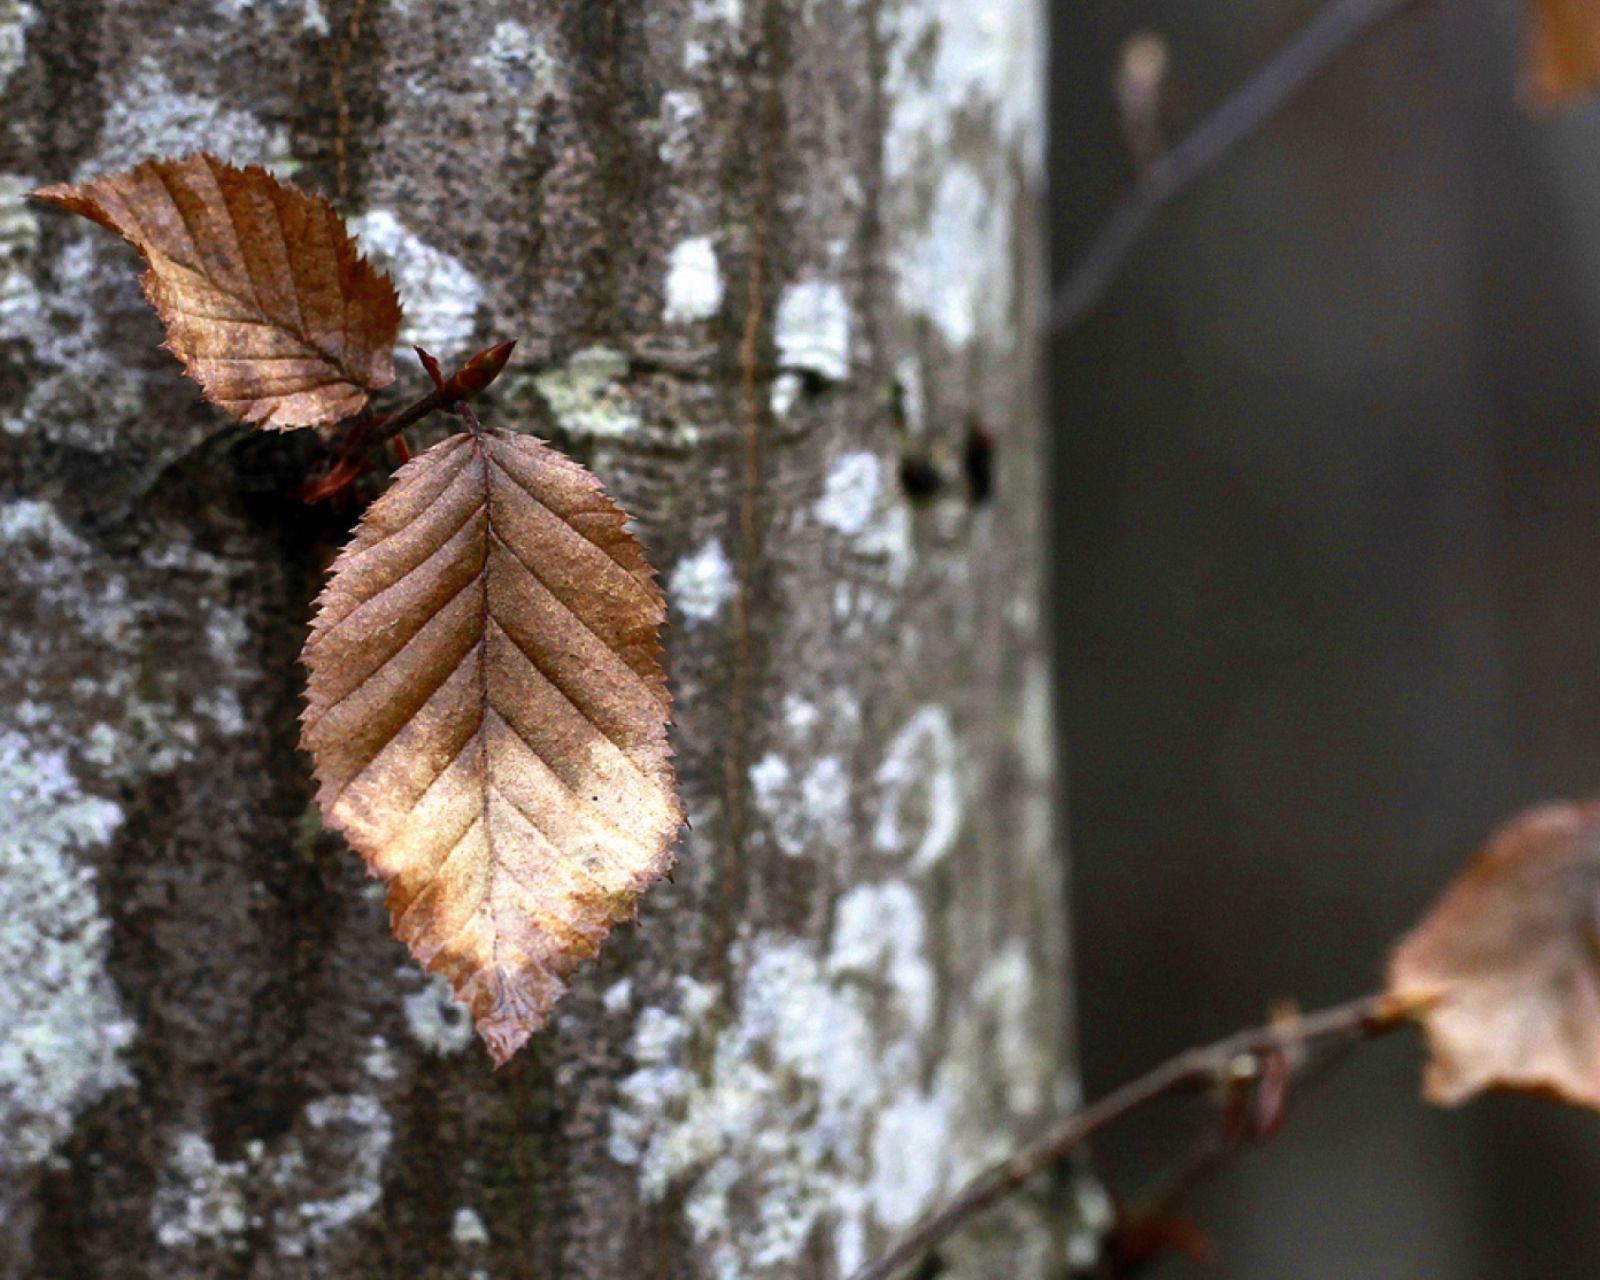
774	272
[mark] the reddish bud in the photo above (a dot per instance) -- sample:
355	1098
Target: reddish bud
478	372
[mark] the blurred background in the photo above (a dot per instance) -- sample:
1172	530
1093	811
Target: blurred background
1328	596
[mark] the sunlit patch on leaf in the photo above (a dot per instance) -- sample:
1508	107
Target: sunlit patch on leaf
1504	973
266	299
488	719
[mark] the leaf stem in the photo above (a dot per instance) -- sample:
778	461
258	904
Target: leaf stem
379	430
1230	1062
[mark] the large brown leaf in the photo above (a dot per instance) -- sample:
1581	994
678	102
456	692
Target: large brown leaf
266	299
1562	61
1504	973
488	719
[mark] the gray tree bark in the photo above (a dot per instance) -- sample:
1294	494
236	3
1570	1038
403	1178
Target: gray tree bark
757	252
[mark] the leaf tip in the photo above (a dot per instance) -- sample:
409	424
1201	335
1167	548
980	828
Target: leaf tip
53	193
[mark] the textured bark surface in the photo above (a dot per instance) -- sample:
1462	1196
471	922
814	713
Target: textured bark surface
757	254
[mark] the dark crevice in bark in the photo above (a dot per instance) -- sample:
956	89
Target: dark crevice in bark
340	104
875	286
753	188
466	1138
614	95
94	1204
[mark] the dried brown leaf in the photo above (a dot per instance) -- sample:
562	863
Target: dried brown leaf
1504	973
488	719
266	299
1562	57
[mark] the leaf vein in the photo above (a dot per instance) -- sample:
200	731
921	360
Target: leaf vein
560	688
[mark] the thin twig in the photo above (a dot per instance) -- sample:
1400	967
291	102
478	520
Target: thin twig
1229	1060
387	428
1328	34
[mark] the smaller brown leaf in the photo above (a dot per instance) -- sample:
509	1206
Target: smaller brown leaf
266	299
1504	973
1562	57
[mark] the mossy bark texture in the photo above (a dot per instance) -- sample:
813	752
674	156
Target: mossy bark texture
773	269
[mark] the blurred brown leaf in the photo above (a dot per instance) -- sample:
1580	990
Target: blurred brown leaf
1504	973
488	719
1562	58
1143	1240
266	299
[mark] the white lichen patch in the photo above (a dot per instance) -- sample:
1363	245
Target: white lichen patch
1004	990
19	237
521	70
951	61
785	391
1094	1214
850	494
913	403
911	1157
827	724
435	1018
1036	745
955	271
799	714
1036	735
380	1061
878	934
702	583
986	59
345	1140
80	395
857	503
778	1133
813	329
154	701
587	396
680	111
712	24
62	1026
825	797
199	1197
722	12
441	297
805	813
919	793
16	17
694	281
618	997
149	116
306	15
842	1099
467	1228
320	1178
769	780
